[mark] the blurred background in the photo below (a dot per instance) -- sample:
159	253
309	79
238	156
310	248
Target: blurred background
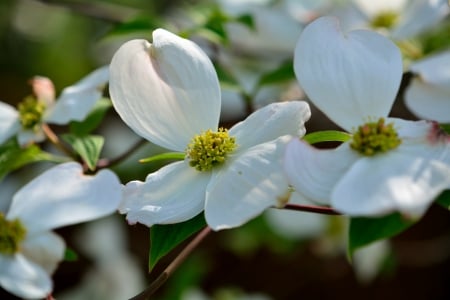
280	255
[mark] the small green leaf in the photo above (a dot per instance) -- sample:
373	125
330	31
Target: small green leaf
444	199
246	20
164	156
87	146
327	136
164	238
70	255
364	231
94	118
13	157
283	73
137	24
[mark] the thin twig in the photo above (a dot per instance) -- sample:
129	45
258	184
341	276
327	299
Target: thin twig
312	208
159	281
106	163
53	138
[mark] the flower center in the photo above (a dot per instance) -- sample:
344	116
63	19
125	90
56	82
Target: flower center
386	19
12	233
210	149
375	137
31	111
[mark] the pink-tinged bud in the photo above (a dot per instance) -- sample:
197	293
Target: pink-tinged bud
43	89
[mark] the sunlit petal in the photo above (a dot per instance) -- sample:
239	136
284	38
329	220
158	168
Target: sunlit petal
244	188
76	101
9	121
173	194
315	172
167	91
271	122
63	195
349	76
24	278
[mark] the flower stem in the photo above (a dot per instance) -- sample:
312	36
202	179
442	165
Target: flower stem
161	279
312	208
53	138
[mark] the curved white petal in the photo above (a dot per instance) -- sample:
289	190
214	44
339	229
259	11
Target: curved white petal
396	181
9	121
271	122
173	194
26	136
373	8
314	172
349	76
24	278
45	249
427	101
76	101
247	185
167	91
63	195
419	16
434	70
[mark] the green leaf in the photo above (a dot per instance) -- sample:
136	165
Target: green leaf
364	231
246	20
444	199
70	255
327	136
94	118
137	24
283	73
13	157
87	146
164	156
164	238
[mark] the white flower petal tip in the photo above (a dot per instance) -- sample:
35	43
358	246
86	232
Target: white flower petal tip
173	194
24	278
9	122
247	186
315	172
167	91
76	101
270	122
349	76
63	195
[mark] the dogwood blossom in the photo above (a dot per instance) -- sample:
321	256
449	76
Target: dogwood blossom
168	92
29	251
74	103
389	164
428	94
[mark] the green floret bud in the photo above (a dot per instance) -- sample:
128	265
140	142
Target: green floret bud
30	113
12	233
386	19
375	137
210	149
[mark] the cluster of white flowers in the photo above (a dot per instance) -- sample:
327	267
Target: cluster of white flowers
168	92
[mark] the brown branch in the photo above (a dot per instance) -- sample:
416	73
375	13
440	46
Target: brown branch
312	208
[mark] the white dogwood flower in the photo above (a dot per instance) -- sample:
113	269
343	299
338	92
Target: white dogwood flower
74	104
168	92
389	164
61	196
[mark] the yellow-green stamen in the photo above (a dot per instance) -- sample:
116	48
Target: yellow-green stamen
375	137
12	233
210	149
31	111
386	19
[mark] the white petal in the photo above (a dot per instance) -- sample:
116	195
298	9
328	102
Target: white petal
314	172
63	195
419	16
26	136
23	278
427	101
396	181
247	185
368	261
173	194
76	101
434	70
9	121
45	249
374	8
167	91
271	122
349	76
